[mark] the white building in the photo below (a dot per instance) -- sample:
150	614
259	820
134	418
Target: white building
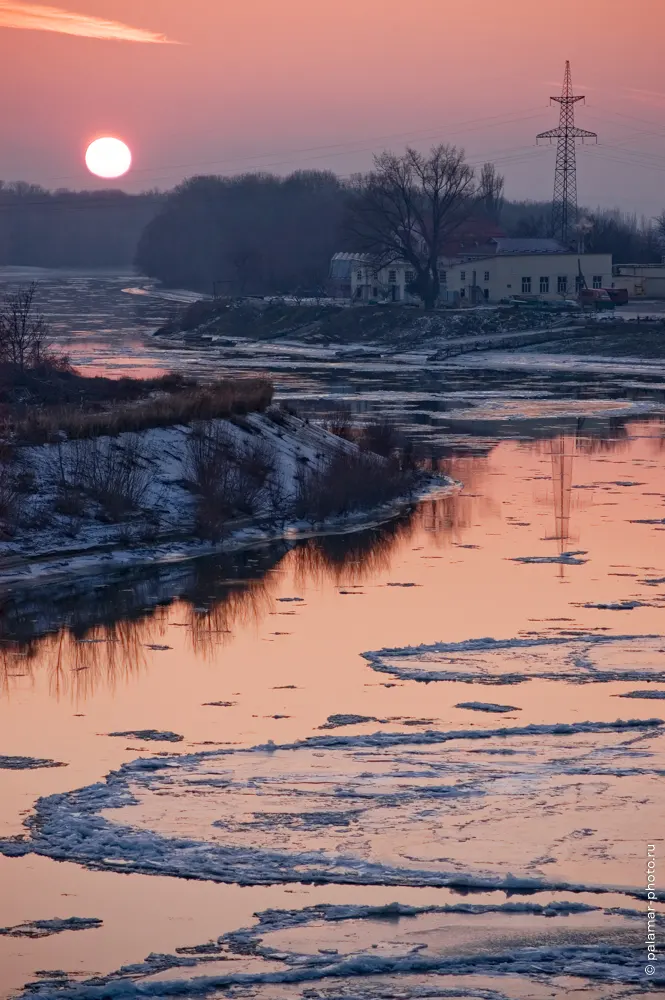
497	270
642	281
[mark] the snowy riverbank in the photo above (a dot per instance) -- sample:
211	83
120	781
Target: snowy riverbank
146	509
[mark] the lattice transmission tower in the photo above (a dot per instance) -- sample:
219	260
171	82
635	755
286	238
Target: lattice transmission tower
564	205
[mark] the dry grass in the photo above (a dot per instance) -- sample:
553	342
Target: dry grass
222	399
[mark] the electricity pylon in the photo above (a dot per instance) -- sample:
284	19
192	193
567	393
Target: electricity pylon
564	205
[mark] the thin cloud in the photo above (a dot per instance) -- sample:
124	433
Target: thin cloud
35	17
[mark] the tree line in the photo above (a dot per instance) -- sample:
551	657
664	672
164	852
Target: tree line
266	234
42	228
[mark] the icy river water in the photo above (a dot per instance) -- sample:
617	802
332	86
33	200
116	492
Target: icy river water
422	760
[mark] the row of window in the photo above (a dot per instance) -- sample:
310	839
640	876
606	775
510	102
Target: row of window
561	283
527	283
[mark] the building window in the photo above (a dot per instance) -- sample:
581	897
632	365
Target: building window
544	286
597	281
486	293
487	276
409	276
392	277
442	276
462	293
579	283
562	284
462	276
526	286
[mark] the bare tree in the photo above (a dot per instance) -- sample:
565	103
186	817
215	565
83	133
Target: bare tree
24	334
490	191
659	225
246	263
408	207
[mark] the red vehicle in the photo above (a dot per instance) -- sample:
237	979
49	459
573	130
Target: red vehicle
619	296
595	298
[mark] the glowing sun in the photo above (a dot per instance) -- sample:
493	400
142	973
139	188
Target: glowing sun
108	157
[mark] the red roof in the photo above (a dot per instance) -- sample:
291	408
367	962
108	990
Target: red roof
474	232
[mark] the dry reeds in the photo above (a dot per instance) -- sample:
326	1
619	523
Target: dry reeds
221	399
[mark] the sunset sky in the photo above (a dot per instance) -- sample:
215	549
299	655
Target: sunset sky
215	86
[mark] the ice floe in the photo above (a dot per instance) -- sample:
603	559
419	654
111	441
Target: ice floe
335	721
616	605
564	559
45	928
486	706
150	734
397	808
304	952
27	763
655	695
577	658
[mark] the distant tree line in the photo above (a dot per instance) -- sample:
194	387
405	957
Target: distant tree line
41	228
630	240
264	234
249	234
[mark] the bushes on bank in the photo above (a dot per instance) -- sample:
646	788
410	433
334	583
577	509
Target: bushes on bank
115	476
350	480
228	480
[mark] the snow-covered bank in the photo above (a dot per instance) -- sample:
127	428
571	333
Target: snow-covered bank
58	533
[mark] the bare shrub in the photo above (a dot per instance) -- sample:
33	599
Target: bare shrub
70	502
24	334
277	414
349	481
380	436
228	480
110	473
340	423
9	500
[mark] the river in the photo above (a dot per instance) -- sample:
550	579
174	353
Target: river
288	749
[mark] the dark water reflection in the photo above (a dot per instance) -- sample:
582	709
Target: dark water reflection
99	632
93	632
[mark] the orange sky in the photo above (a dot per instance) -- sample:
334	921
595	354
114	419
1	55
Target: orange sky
266	82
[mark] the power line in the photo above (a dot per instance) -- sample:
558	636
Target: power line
348	146
645	164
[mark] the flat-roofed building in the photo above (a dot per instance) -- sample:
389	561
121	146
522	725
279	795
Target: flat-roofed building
500	269
642	281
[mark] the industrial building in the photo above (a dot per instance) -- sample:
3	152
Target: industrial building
642	281
497	270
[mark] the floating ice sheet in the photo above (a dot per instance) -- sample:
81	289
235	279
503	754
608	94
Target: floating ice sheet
393	951
384	808
577	658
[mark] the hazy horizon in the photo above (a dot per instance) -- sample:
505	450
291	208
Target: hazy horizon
211	88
